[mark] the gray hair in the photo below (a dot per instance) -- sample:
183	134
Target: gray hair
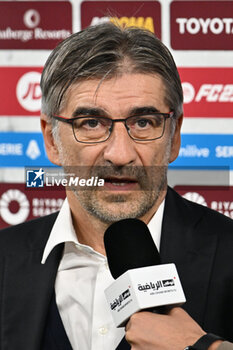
104	51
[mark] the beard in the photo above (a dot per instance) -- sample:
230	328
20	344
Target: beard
108	206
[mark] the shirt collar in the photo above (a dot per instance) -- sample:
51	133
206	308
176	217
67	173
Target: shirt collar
155	225
63	229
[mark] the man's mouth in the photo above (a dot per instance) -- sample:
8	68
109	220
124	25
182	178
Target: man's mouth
120	183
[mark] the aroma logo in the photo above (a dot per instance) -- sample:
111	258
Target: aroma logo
141	14
140	22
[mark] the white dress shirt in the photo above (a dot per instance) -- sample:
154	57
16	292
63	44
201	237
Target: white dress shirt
82	277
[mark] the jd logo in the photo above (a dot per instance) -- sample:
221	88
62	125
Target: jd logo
28	91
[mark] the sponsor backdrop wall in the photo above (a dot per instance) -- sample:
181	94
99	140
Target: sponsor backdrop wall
200	36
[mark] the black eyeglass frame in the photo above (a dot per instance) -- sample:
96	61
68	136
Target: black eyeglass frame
124	120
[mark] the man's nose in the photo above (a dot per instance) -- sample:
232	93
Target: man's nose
120	148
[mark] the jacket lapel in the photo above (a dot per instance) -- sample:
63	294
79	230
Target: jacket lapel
28	286
189	243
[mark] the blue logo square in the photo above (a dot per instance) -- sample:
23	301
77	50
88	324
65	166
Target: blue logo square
35	178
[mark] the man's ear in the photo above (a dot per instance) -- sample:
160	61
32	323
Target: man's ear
175	146
50	144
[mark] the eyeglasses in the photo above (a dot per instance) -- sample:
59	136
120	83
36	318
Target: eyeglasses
93	129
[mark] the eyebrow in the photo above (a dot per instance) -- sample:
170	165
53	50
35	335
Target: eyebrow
143	110
99	112
92	111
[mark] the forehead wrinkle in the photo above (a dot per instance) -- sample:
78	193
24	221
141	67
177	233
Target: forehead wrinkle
124	66
100	96
100	83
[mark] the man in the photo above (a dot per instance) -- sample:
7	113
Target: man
112	109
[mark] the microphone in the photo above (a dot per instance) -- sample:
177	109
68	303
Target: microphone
142	283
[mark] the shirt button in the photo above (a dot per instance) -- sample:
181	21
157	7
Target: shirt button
103	330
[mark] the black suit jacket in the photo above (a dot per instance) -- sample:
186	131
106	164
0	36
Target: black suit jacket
198	240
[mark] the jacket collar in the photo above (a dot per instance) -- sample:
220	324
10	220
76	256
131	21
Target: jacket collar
188	242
